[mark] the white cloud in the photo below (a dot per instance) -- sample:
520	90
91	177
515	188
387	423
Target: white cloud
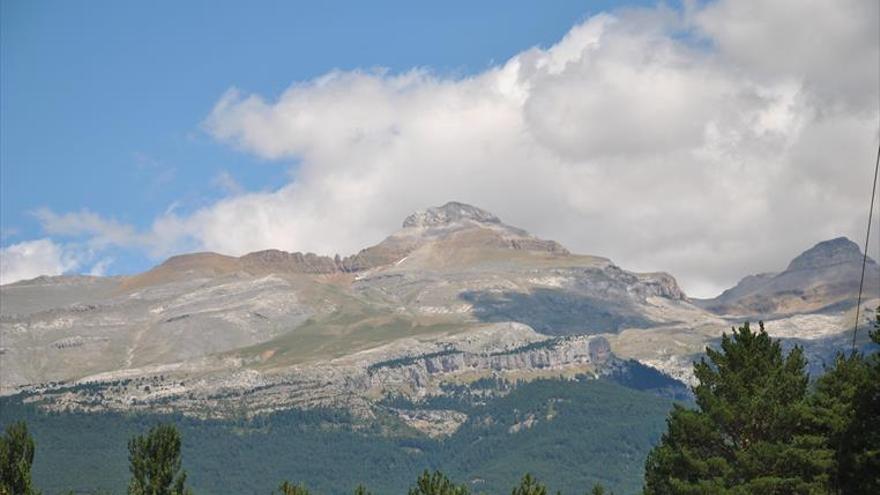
99	269
710	143
831	47
30	259
101	231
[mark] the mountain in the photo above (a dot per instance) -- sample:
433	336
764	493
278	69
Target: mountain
458	342
822	278
453	297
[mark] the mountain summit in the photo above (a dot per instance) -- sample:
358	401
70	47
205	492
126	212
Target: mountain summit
823	277
441	233
442	230
828	253
451	212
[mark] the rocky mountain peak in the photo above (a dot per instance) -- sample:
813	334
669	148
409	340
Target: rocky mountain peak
828	253
825	276
451	212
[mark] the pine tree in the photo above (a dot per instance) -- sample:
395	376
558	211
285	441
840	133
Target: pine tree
287	488
436	484
16	458
847	409
599	489
155	464
361	490
529	486
749	433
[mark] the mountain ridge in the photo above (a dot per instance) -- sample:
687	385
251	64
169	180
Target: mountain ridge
454	296
453	220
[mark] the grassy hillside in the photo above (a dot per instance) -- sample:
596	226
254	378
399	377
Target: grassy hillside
568	433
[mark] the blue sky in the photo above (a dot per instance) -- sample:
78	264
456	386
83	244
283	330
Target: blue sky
102	101
656	134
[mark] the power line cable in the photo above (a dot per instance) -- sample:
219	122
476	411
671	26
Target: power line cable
865	257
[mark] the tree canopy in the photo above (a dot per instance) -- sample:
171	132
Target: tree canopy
529	486
759	427
155	463
747	434
16	458
847	411
436	484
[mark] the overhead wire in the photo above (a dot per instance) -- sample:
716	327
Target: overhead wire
865	257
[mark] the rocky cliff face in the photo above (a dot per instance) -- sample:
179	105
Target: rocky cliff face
582	352
507	351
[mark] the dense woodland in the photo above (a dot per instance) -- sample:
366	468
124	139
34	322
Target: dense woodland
599	432
758	425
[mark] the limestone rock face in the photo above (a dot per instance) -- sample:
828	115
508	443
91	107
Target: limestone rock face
543	355
416	369
273	260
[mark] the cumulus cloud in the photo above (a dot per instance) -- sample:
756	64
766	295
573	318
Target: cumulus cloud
711	142
30	259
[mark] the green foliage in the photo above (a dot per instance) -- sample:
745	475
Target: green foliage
287	488
529	486
875	333
436	484
757	428
748	433
361	490
584	431
154	462
16	458
599	489
847	413
580	432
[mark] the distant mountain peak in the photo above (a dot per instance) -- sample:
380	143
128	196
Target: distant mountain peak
451	212
827	253
825	276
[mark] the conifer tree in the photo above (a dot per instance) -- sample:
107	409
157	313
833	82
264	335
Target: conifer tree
599	489
287	488
748	433
16	458
155	463
436	484
847	408
529	486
